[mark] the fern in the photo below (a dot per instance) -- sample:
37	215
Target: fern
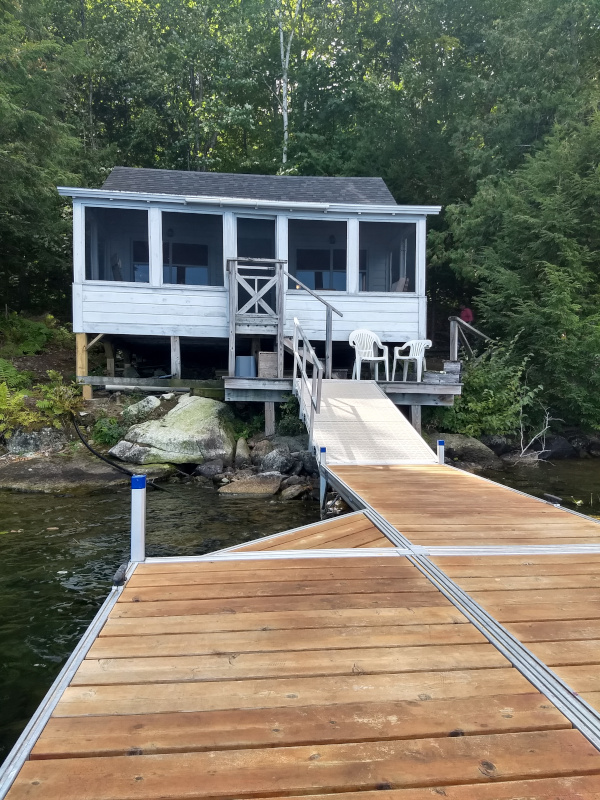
14	412
11	376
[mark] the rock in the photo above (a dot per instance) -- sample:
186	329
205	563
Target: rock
198	429
242	454
126	451
167	396
528	459
278	460
293	480
210	468
260	450
293	492
27	443
309	462
298	465
141	409
254	440
265	485
557	447
130	372
594	447
498	444
466	448
60	474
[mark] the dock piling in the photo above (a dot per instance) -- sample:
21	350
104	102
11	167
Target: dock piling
138	518
440	451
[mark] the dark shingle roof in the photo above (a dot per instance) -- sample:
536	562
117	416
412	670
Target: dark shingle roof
279	188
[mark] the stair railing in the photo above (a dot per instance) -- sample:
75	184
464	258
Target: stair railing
329	311
458	330
306	388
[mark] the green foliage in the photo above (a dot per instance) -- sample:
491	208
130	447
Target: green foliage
289	423
531	243
495	398
15	412
20	336
248	425
11	376
59	400
108	431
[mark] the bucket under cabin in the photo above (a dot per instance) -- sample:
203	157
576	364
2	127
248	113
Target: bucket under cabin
183	275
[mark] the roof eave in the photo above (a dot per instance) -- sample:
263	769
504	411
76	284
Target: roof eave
151	197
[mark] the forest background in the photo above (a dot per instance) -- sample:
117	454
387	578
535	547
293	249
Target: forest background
488	107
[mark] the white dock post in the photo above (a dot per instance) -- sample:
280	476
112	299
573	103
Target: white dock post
138	517
440	451
322	478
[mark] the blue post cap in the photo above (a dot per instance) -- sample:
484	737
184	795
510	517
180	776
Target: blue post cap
440	441
323	449
138	481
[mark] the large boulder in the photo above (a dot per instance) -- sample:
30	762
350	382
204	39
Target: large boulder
467	449
198	429
260	450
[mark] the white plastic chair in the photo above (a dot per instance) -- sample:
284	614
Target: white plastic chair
365	343
416	354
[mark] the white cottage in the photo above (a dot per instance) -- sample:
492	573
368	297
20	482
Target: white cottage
229	257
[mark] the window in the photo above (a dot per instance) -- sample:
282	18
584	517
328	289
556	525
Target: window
387	257
116	245
255	238
317	254
192	249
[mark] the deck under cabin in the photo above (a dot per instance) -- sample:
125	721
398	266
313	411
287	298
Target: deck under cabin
203	280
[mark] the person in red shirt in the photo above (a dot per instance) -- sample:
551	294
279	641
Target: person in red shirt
466	314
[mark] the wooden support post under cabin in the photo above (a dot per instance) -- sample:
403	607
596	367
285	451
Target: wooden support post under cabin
109	352
415	418
175	357
269	419
81	362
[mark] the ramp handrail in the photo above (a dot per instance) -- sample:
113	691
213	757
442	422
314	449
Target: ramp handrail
328	321
308	387
457	330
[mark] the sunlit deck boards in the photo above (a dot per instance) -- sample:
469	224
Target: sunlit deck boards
550	603
439	505
371	680
352	530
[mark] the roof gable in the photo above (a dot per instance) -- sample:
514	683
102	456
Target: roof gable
276	188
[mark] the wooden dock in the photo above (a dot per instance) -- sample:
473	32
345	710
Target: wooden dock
441	641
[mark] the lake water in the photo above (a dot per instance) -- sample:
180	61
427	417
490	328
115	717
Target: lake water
58	556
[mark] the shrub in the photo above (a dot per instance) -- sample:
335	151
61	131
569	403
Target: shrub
108	431
494	399
11	376
58	399
15	412
289	422
20	336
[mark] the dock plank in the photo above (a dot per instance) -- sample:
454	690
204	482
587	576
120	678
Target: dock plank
342	767
251	728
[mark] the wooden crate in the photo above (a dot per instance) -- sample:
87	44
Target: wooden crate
267	365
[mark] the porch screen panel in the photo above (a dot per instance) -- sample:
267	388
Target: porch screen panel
317	253
116	245
387	257
192	249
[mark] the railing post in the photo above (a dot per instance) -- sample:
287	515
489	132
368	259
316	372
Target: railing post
138	517
440	451
322	477
453	340
328	342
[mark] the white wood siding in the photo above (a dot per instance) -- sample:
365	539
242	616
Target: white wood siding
394	317
151	311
